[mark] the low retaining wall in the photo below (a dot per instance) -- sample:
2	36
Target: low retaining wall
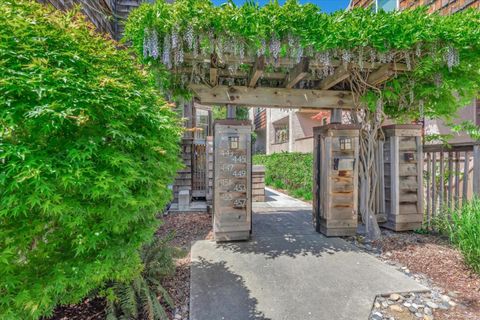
258	183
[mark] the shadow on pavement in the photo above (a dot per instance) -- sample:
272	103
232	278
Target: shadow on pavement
223	283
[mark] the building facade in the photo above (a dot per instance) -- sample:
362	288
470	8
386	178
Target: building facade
286	130
442	6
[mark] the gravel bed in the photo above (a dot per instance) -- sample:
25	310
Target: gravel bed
432	261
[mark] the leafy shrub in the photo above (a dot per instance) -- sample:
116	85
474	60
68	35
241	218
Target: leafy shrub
87	149
463	227
289	171
138	298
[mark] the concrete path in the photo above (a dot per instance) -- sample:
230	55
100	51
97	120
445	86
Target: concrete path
288	271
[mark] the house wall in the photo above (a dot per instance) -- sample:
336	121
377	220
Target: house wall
442	6
300	126
468	113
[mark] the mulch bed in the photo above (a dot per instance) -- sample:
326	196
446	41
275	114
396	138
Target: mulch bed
187	227
435	258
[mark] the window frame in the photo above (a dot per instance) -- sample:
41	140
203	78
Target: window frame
397	5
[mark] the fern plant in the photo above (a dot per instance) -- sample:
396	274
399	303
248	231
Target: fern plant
138	299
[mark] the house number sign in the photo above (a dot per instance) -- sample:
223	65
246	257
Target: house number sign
233	173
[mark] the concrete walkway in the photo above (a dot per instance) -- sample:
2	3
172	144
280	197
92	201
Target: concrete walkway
288	271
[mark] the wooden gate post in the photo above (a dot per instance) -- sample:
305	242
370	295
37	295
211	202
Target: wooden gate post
476	170
232	191
403	171
335	189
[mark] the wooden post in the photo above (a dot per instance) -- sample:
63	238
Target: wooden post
457	179
466	168
381	217
232	193
476	170
420	167
336	179
404	179
441	194
450	188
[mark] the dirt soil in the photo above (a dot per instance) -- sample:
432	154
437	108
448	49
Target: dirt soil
187	227
435	258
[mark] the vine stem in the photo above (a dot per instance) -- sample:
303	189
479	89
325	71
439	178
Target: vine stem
370	131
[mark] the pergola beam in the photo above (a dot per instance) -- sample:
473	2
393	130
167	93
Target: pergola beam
340	74
385	73
298	72
257	71
273	97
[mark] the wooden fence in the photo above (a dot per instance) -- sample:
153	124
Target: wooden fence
451	177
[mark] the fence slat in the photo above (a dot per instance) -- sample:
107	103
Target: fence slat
441	194
434	185
457	179
429	173
450	187
466	175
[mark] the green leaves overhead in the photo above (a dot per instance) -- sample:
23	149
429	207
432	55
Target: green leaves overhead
442	52
87	150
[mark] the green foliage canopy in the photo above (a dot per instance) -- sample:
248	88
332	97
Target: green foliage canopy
442	51
87	150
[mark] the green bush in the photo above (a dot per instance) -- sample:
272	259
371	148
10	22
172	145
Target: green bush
289	171
87	149
464	230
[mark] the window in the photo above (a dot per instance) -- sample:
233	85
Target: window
345	143
281	134
386	5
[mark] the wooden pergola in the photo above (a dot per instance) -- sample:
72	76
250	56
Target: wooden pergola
284	83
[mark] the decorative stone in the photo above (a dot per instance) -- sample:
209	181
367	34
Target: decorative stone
394	297
452	303
396	308
377	305
418	315
377	316
444	306
432	304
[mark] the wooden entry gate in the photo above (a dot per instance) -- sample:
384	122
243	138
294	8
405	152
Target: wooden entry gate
199	169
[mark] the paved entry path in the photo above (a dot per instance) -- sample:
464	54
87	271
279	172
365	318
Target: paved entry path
287	271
